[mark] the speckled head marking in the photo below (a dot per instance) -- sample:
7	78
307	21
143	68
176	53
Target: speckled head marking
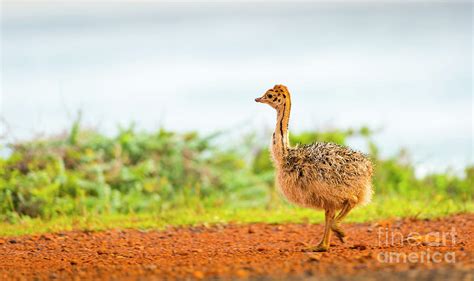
279	98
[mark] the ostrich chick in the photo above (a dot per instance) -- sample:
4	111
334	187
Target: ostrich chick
321	175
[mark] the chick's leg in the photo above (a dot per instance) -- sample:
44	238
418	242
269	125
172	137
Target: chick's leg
323	246
335	224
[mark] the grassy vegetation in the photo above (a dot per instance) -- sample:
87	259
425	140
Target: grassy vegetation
380	209
84	180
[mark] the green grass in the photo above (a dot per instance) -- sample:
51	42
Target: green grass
384	208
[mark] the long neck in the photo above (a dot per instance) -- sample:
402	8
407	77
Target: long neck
281	141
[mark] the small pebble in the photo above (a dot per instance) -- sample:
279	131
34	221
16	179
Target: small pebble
198	275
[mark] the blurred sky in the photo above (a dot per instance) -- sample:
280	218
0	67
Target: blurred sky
402	67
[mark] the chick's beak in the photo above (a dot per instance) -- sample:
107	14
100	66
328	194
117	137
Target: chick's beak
258	99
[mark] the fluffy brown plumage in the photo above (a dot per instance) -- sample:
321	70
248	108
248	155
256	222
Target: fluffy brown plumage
321	175
325	175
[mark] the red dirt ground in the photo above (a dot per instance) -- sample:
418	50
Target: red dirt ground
257	251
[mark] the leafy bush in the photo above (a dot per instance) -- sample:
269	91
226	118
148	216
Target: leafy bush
85	172
132	172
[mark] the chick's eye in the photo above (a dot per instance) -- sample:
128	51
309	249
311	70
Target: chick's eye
269	96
